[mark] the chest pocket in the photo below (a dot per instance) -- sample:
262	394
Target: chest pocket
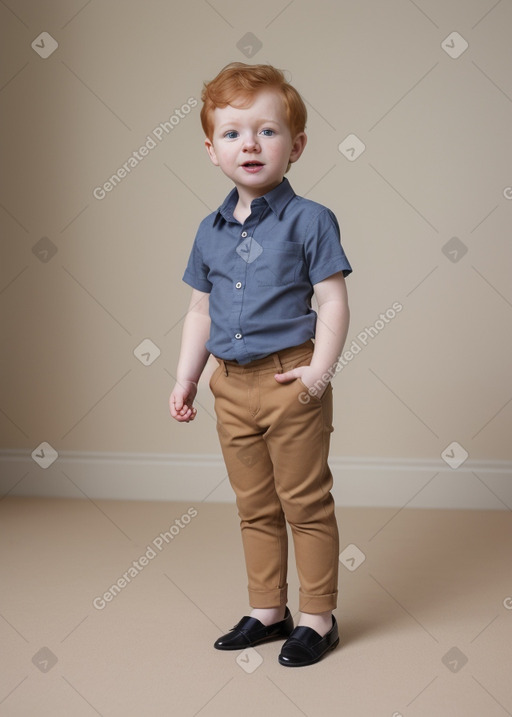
279	264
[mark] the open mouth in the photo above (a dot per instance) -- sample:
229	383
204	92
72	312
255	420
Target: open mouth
252	164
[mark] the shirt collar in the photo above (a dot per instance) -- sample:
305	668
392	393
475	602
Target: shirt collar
277	199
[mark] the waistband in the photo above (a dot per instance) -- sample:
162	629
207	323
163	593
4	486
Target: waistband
272	362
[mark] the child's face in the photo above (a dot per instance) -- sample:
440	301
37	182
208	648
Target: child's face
253	146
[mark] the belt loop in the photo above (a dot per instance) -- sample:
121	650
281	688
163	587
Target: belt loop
277	362
224	367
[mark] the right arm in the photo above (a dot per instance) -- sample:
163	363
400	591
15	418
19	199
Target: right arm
193	357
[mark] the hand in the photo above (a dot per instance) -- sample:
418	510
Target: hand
307	376
181	400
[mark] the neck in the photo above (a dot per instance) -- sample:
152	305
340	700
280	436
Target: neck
247	194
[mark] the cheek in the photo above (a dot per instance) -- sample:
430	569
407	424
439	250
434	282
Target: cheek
226	155
280	149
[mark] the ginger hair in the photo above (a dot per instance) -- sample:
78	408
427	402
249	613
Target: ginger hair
238	83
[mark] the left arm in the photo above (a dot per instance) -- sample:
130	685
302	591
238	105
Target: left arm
331	332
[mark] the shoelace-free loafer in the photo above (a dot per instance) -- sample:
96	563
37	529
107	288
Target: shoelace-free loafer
306	646
250	631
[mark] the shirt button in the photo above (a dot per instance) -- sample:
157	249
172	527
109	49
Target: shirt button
244	234
238	285
238	336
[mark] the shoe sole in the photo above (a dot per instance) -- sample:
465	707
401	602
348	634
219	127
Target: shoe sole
309	662
252	644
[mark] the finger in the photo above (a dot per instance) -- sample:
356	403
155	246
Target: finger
287	376
186	415
188	411
177	412
189	416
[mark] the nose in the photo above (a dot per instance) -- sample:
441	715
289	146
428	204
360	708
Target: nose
250	143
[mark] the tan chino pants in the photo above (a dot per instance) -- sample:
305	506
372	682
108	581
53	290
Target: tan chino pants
275	442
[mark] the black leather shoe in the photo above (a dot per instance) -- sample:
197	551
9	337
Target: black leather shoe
250	631
305	646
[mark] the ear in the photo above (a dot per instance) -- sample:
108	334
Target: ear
298	146
211	151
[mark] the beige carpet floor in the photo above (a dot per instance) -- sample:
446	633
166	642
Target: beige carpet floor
425	615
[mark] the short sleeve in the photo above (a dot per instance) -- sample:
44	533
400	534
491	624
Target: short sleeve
323	250
196	273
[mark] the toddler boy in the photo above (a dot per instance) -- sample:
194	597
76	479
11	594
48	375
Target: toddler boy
255	265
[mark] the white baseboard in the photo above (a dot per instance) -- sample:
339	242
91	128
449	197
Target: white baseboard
485	485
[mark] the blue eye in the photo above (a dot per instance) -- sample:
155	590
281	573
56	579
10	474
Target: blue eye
269	131
232	134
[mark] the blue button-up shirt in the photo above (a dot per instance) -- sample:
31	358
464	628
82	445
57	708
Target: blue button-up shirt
260	274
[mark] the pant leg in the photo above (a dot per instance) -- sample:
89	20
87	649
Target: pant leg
275	445
298	440
251	474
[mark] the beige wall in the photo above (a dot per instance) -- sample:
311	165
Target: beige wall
436	166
